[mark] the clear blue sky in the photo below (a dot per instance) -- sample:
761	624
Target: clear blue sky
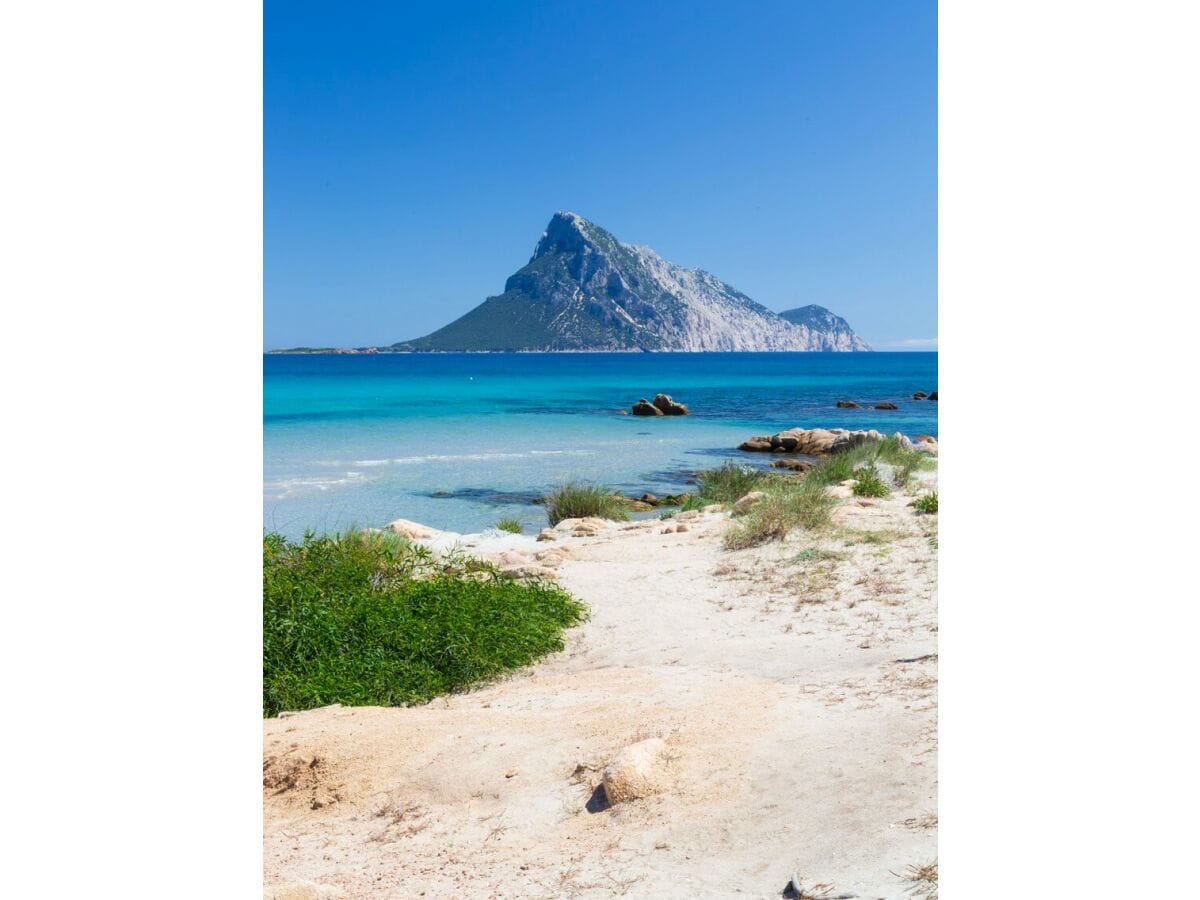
415	151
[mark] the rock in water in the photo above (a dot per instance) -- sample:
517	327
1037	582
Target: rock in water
847	404
886	406
645	408
756	444
585	290
638	771
669	407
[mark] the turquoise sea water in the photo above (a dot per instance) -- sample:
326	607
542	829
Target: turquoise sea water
458	441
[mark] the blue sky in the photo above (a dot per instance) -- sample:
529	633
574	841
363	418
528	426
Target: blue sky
414	152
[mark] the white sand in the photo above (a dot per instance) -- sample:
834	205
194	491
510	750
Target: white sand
799	740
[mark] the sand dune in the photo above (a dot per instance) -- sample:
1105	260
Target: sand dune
795	686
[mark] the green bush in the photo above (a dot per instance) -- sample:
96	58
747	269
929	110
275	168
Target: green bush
368	619
729	483
512	526
926	504
576	500
867	483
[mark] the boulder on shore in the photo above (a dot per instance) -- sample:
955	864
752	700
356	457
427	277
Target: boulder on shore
795	465
761	444
414	531
810	442
638	771
744	503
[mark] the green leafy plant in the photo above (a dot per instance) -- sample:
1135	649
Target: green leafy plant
927	504
869	484
369	619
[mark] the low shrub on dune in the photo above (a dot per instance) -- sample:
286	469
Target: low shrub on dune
369	619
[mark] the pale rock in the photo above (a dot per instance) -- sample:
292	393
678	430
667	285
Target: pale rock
745	502
688	515
547	534
639	770
839	492
414	531
713	508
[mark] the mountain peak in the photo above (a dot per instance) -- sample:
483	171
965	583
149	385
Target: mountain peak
566	233
585	290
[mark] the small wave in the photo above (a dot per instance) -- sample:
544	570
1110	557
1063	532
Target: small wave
454	457
287	487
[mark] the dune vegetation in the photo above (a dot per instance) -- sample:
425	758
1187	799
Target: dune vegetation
367	618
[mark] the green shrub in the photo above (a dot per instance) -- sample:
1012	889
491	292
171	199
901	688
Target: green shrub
369	619
691	501
512	526
576	500
867	483
729	483
926	504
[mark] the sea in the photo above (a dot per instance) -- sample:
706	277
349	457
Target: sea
459	441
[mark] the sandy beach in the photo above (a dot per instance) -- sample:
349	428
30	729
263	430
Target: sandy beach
794	685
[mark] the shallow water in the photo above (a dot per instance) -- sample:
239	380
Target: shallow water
459	441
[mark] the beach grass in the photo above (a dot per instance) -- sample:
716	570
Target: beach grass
788	503
729	483
927	504
578	500
867	483
369	619
801	502
512	526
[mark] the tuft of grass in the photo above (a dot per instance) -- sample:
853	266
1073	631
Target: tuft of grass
869	484
926	504
512	526
370	619
788	504
923	879
729	483
577	500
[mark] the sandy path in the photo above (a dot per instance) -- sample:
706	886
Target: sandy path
800	740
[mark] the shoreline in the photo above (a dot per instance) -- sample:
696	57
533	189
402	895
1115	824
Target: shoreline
797	675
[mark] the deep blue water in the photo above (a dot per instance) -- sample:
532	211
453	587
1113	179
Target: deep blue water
360	440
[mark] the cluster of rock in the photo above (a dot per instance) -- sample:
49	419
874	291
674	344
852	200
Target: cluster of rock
810	442
535	564
662	405
887	404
